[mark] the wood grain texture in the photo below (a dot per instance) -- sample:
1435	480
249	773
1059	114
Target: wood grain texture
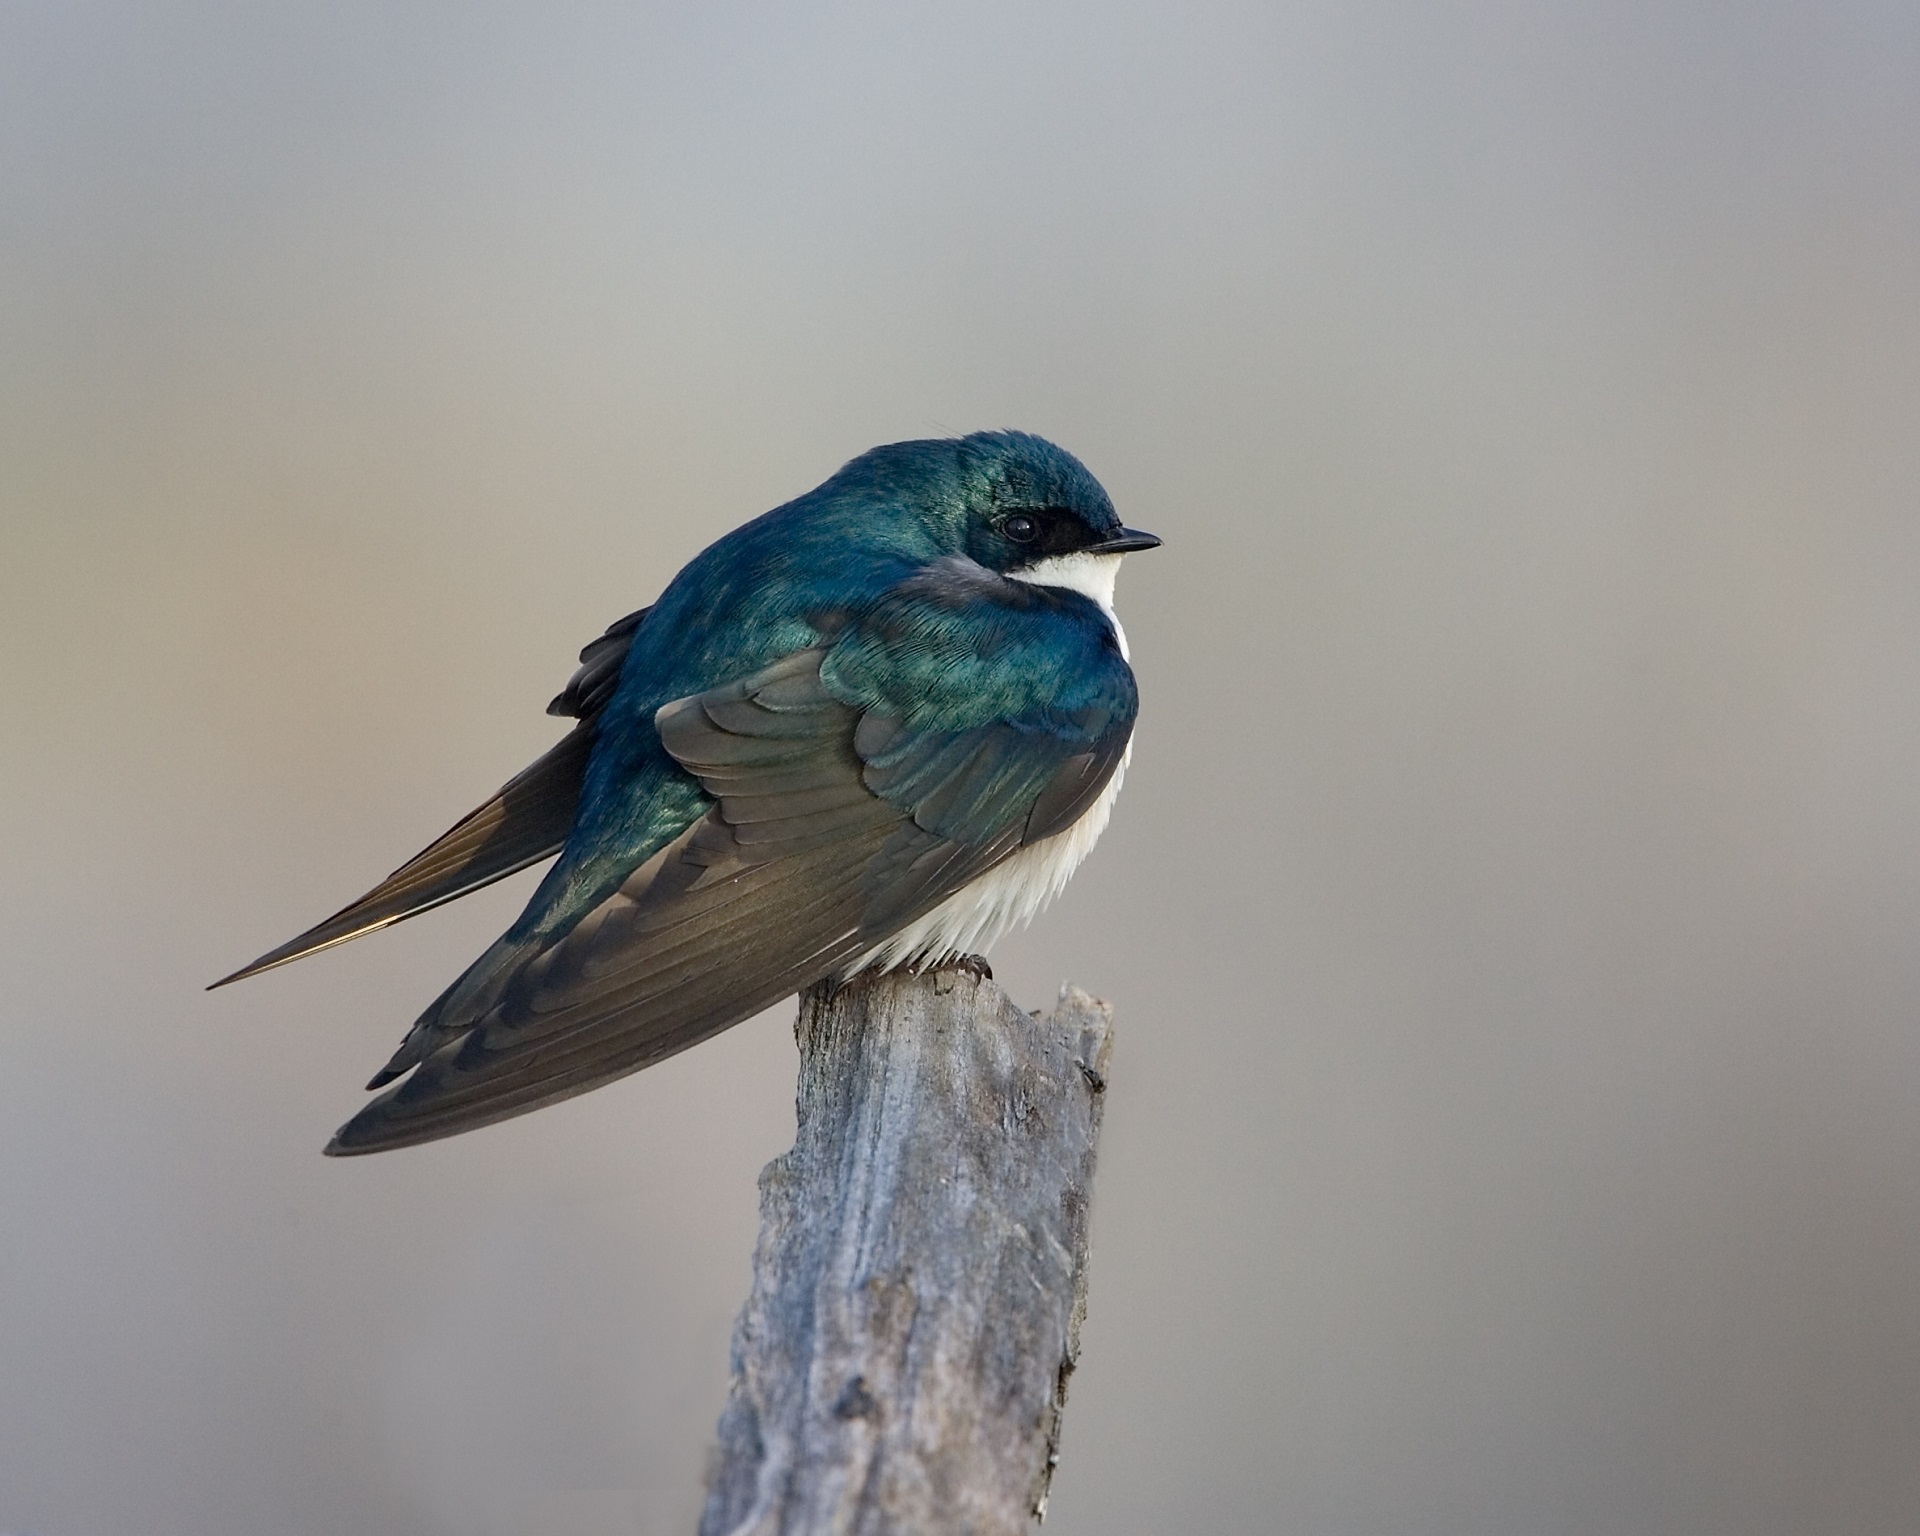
921	1270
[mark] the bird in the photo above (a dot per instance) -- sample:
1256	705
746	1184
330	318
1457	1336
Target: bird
872	729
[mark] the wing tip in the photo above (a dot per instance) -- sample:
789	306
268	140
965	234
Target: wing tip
312	942
373	1131
267	962
367	1132
336	1147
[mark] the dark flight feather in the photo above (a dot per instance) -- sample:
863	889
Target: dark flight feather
601	659
846	804
526	821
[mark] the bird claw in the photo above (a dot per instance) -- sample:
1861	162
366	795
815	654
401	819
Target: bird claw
974	965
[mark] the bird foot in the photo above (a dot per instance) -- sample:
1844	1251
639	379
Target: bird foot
974	965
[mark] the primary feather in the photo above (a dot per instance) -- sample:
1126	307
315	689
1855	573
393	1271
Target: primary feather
527	820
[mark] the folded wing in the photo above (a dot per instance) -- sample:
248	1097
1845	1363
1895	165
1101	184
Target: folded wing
842	809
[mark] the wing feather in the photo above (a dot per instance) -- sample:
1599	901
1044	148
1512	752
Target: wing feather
839	812
526	821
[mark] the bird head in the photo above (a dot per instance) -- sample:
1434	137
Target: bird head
1034	507
1010	501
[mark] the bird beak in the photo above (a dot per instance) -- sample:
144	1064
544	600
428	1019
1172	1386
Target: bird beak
1126	542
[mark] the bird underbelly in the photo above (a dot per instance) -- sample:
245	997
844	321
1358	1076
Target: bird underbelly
1006	897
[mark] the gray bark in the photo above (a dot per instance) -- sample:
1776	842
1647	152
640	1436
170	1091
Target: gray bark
920	1277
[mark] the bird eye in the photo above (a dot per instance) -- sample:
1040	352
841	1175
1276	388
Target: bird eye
1020	528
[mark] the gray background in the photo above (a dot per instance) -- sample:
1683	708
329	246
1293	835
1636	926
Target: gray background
1512	907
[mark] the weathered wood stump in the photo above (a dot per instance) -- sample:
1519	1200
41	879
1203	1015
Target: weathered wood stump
920	1277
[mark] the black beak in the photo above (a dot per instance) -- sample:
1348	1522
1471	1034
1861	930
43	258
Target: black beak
1127	541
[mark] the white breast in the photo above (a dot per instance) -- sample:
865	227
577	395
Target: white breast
1012	893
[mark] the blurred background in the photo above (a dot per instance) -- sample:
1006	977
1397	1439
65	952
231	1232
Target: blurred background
1511	913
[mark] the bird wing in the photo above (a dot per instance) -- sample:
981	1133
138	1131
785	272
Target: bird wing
525	822
854	786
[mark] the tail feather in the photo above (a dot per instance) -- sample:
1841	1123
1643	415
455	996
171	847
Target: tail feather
527	821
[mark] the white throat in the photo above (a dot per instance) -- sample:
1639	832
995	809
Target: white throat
1089	575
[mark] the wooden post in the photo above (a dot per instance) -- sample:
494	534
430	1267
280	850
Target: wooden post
920	1277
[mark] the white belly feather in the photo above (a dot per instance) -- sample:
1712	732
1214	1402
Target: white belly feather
1009	895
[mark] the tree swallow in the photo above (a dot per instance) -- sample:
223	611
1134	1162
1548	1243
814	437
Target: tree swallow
876	727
